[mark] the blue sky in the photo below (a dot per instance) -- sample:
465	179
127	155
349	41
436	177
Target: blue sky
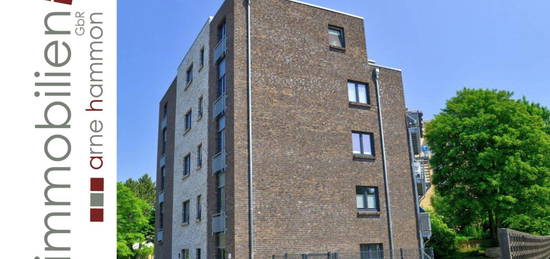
442	46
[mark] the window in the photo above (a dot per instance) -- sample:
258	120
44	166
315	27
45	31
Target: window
161	215
367	198
222	30
220	245
336	37
188	120
220	192
220	126
200	107
358	93
372	251
189	75
164	140
162	177
185	212
198	253
199	156
165	110
187	165
221	78
199	209
363	143
201	58
185	254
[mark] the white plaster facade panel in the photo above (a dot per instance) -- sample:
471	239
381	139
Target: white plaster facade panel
194	234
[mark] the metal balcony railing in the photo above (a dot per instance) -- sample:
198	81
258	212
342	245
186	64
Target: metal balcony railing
218	162
219	106
218	223
221	49
425	224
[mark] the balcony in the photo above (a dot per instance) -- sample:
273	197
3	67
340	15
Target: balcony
218	162
161	196
425	225
160	234
221	48
218	223
164	123
219	106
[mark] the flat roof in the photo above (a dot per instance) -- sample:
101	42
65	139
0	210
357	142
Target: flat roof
328	9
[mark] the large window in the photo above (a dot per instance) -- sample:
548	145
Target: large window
220	245
185	254
220	192
161	215
200	108
188	120
199	156
372	251
222	30
358	93
199	208
189	75
201	58
367	198
185	212
363	143
187	164
336	37
164	140
221	78
220	127
162	177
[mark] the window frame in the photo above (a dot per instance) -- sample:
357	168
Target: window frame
199	156
187	164
341	37
364	192
162	177
188	120
185	212
199	208
356	85
161	215
185	254
189	75
200	107
201	57
362	151
164	140
365	252
198	253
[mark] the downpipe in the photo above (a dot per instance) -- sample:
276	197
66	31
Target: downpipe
250	147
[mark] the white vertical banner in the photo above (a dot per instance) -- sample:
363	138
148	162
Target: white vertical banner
58	130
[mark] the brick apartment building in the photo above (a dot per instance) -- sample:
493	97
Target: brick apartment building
279	136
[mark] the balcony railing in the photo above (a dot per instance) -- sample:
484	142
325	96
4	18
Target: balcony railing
425	224
160	235
220	50
218	163
219	106
218	223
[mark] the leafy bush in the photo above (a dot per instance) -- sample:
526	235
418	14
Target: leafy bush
444	239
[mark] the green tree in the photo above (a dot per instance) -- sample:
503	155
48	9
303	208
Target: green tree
491	160
132	223
144	188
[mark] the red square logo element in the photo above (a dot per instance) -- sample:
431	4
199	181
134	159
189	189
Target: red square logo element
69	2
96	184
96	215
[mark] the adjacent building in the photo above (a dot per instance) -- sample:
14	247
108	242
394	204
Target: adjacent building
278	136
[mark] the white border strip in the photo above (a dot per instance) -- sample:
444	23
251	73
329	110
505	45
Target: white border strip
386	67
328	9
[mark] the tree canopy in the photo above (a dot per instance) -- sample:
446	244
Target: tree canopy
135	220
491	161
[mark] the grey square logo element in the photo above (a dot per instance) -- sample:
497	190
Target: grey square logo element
96	199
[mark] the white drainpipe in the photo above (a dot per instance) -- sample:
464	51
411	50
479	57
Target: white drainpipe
250	168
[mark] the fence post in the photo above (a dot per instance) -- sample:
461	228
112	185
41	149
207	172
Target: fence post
504	243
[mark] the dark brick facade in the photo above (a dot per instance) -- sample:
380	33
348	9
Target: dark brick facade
304	171
164	249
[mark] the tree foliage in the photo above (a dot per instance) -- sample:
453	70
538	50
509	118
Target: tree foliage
133	223
491	160
443	238
144	188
